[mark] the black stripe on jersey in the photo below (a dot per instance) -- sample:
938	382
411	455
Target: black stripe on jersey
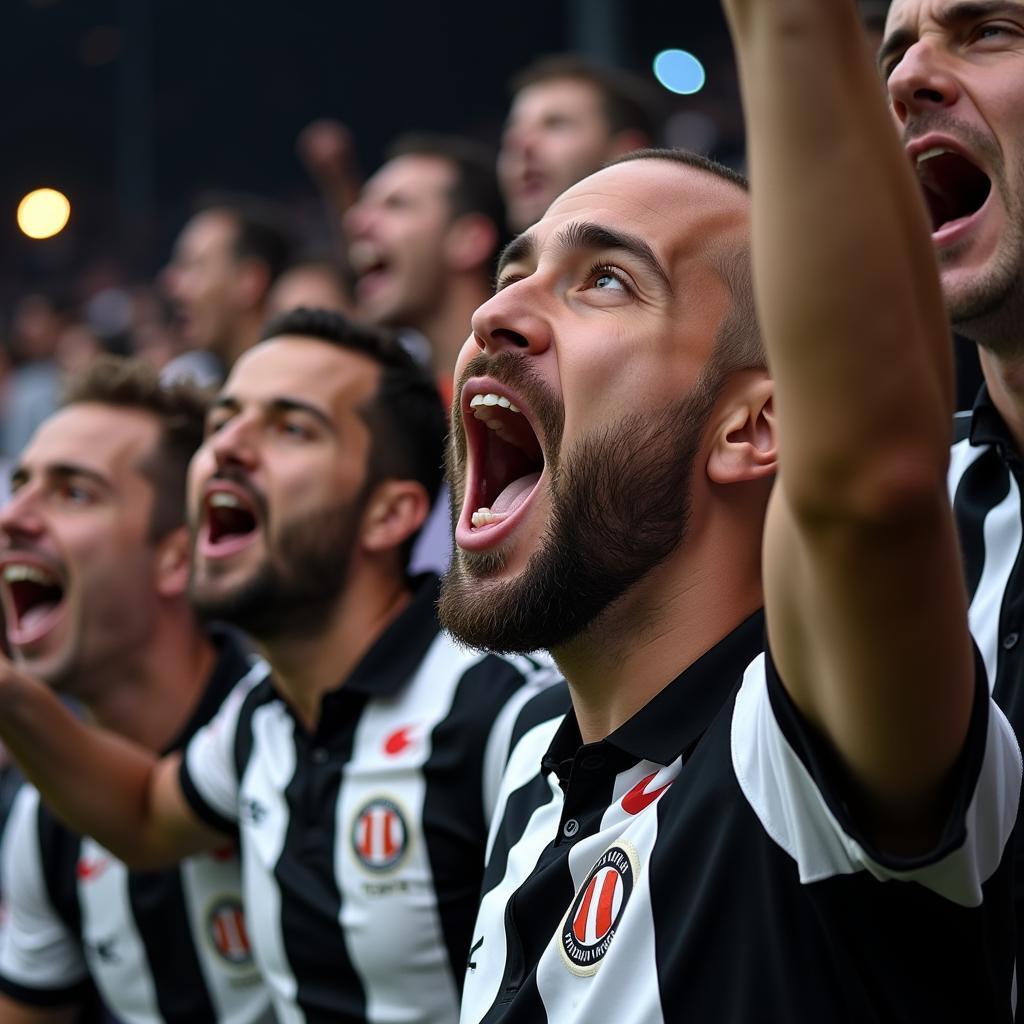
823	764
73	995
549	703
262	693
59	850
159	908
453	813
983	485
328	988
518	808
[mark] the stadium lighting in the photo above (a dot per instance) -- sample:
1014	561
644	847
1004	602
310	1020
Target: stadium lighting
679	72
43	213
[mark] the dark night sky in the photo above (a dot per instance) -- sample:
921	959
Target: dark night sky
223	86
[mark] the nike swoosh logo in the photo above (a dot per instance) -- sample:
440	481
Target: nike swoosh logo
399	740
638	798
87	870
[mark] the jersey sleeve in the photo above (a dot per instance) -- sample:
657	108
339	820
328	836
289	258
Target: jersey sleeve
209	775
41	959
790	777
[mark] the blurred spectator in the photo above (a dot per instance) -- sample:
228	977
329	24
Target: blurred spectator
569	116
225	260
33	390
325	148
422	241
314	283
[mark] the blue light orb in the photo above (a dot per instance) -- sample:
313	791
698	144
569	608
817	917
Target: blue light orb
680	72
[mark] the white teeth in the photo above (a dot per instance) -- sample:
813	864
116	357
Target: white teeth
17	573
930	154
489	400
484	516
223	500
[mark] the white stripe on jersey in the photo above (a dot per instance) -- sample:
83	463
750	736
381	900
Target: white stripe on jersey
212	770
1002	533
264	812
626	988
381	933
210	886
794	813
482	981
497	753
110	938
36	948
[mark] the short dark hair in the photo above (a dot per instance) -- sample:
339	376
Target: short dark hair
475	188
406	416
628	102
738	343
262	234
180	410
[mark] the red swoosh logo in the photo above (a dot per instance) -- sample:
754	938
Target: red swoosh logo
87	870
399	740
637	798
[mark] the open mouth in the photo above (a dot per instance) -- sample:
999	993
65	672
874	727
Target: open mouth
369	263
33	601
230	522
506	459
954	187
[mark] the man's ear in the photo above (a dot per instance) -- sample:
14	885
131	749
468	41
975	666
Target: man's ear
745	445
172	563
396	510
470	242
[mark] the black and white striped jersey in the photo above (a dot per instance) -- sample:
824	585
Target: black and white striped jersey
986	476
363	843
700	864
159	946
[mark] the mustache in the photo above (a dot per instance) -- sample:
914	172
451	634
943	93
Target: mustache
515	372
977	142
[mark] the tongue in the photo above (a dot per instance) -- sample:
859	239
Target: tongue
36	614
515	494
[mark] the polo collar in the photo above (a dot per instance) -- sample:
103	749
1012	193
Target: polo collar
676	718
987	426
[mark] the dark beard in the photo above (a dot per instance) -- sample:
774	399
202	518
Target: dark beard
620	506
294	593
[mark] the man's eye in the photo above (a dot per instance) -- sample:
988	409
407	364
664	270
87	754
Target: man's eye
606	279
994	30
294	428
75	495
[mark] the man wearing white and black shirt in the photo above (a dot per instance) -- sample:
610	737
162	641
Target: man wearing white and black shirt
361	776
955	85
799	819
94	573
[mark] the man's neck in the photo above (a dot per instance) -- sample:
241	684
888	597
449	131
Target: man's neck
151	700
449	325
305	667
1005	380
660	627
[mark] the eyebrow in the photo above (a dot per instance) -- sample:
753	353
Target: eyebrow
586	235
958	14
281	404
61	471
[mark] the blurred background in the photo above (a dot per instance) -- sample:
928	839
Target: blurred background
133	108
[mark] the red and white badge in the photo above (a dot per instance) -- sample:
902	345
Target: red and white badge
593	916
